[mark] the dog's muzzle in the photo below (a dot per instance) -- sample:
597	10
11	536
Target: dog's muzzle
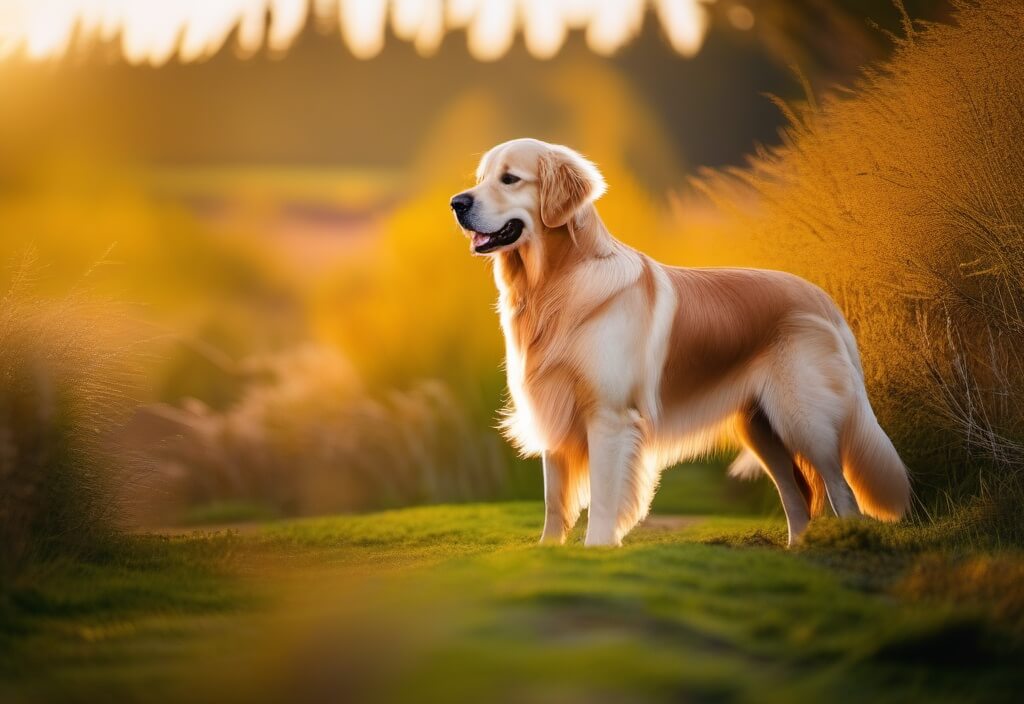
484	242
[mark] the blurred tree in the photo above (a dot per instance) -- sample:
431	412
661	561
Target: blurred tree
831	39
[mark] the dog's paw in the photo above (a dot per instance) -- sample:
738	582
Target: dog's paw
552	539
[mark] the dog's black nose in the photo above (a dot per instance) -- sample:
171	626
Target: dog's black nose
461	203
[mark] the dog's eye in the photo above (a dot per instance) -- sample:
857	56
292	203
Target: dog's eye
508	179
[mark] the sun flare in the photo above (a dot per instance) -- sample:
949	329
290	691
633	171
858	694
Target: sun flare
155	31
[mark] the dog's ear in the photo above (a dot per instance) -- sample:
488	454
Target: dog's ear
567	183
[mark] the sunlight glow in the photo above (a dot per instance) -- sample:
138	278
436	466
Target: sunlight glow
492	30
685	23
156	31
546	33
362	26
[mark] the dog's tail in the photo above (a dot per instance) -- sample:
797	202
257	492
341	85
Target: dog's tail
871	465
745	466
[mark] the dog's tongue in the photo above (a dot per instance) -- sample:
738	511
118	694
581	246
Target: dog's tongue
479	240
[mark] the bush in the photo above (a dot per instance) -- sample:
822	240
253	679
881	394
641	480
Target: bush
62	384
903	198
305	437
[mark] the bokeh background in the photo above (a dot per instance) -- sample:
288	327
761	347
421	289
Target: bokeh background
231	271
237	319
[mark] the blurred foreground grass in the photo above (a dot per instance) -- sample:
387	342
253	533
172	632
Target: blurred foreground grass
458	603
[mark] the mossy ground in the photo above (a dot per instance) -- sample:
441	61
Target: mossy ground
458	603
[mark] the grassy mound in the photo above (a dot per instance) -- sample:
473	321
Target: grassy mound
459	603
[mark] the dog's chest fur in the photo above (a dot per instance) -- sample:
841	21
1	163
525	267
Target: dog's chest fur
551	331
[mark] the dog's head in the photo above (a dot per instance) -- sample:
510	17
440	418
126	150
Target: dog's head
525	190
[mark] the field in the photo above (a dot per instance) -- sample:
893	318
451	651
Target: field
460	602
250	381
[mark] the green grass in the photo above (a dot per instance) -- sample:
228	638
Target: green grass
706	489
458	603
224	512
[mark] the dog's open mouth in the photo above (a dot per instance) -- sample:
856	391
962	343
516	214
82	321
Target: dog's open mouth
484	242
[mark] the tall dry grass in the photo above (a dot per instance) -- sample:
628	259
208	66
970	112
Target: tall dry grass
904	197
63	388
307	437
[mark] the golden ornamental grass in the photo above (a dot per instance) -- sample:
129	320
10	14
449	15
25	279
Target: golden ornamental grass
904	197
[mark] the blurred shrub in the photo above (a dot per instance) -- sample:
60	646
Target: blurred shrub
306	437
159	252
62	391
903	197
990	582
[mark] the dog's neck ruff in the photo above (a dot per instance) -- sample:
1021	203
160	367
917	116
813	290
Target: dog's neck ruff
557	281
521	272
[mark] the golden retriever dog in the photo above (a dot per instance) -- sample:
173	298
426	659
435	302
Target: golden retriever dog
619	366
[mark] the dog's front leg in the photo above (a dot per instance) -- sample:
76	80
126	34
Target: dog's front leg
556	509
566	493
615	485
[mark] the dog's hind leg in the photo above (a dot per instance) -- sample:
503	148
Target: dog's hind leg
757	436
827	463
621	486
566	493
812	383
